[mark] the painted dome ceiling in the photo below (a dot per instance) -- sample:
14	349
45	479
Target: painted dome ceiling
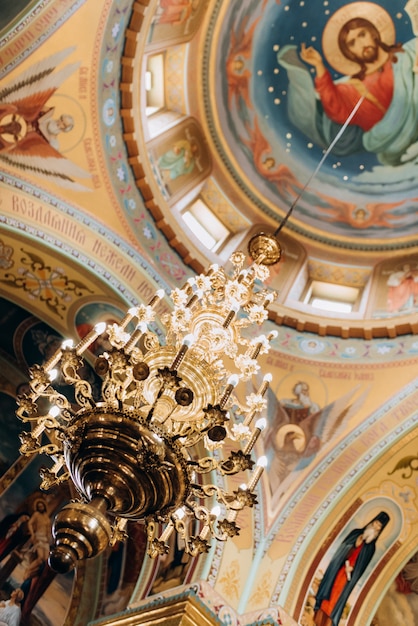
328	163
173	111
273	132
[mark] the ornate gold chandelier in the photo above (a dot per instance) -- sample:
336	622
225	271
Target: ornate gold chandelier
169	426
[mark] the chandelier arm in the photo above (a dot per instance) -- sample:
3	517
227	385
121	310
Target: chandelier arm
189	438
30	446
253	440
27	419
154	405
156	546
119	531
90	338
142	313
71	362
193	545
62	403
136	336
236	462
27	409
40	381
51	477
182	529
260	393
211	490
205	465
83	394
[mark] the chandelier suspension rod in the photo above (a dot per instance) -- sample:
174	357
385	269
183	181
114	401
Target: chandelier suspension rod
318	167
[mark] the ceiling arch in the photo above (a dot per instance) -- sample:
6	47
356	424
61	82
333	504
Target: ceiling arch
127	239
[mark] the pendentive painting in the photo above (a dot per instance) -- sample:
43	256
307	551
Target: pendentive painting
42	124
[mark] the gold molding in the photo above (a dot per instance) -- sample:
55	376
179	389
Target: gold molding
181	610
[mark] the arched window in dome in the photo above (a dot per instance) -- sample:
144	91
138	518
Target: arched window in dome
331	297
205	225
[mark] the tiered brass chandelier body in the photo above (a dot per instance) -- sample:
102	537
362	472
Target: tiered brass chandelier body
169	426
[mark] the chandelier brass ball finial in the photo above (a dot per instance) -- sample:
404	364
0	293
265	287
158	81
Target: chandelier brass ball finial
264	248
145	448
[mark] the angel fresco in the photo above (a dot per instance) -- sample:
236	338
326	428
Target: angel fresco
300	429
359	42
236	66
238	62
176	20
402	285
30	128
175	12
179	160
